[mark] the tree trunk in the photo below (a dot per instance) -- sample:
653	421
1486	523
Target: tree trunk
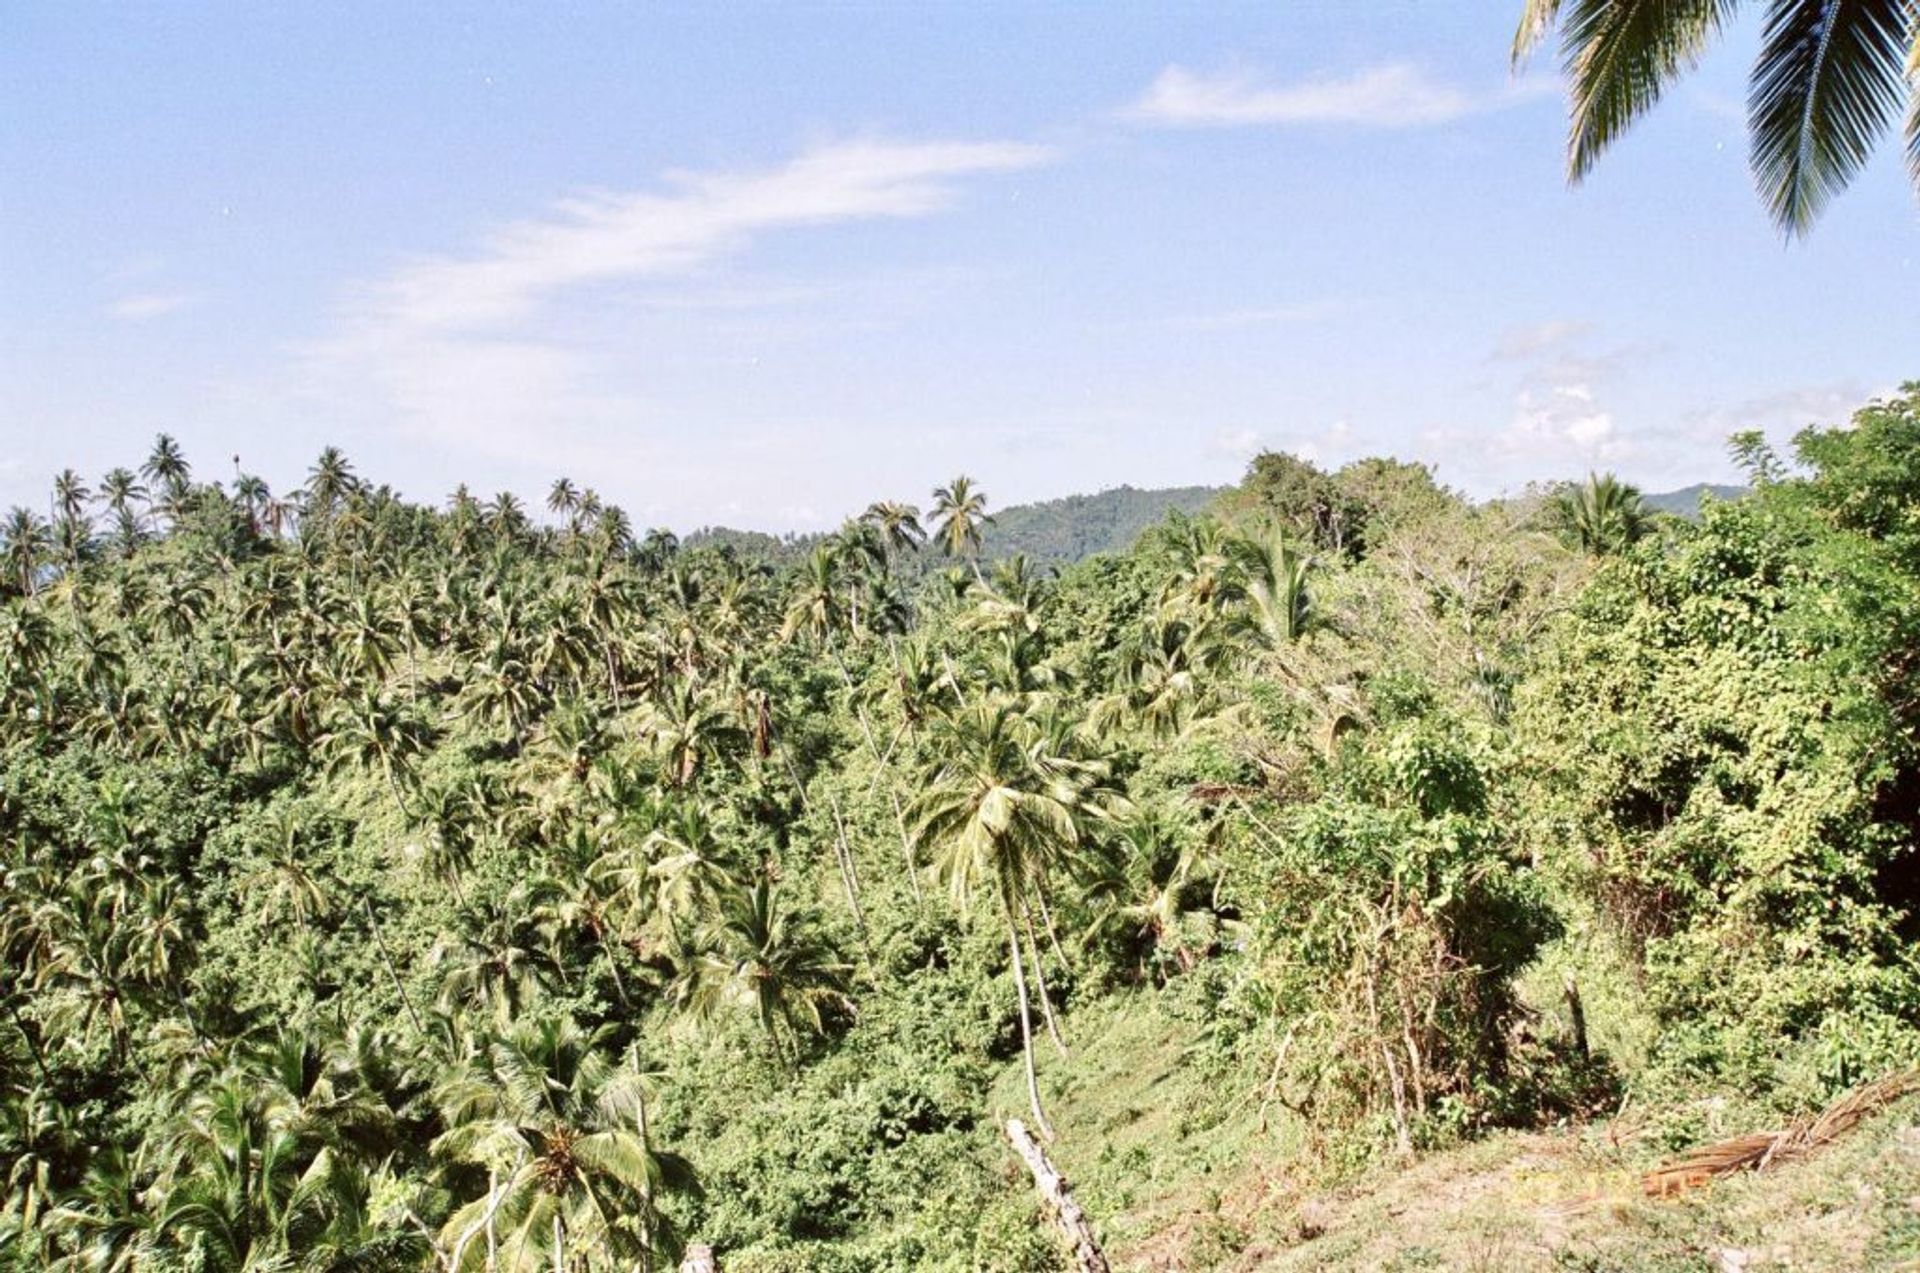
843	855
1059	1195
387	959
1040	984
493	1242
1577	1012
848	875
880	770
1026	1024
906	844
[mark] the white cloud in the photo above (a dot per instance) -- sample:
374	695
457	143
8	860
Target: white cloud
615	236
1391	95
481	349
1562	419
138	307
1781	413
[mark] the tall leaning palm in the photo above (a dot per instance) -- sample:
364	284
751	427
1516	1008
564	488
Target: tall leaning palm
1829	80
998	811
960	509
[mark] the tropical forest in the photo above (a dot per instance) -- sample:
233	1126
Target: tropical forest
1423	853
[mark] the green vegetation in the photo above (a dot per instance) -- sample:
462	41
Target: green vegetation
391	887
1060	531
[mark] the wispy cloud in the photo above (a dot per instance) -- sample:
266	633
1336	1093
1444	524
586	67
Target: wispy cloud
1782	412
1390	95
475	346
614	236
138	307
1531	341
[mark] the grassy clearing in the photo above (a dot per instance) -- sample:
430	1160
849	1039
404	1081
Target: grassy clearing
1174	1183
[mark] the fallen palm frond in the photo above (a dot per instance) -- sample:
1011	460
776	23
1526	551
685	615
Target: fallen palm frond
1758	1151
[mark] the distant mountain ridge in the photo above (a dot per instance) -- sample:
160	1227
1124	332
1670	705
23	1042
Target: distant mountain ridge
1057	532
1686	501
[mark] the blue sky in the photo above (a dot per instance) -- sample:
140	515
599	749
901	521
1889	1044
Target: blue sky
760	264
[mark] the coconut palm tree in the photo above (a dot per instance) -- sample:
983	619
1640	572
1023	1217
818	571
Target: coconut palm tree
106	1226
330	481
290	877
562	1133
564	500
1275	582
120	488
495	960
816	609
999	811
166	465
687	725
253	496
898	524
369	731
961	511
25	544
1601	516
75	529
758	950
1829	80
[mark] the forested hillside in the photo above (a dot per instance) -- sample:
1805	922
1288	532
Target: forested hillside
395	887
1054	532
1686	501
1058	531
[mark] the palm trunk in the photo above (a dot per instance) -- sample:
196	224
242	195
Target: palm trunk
842	854
1026	1022
881	770
1040	982
848	875
387	958
1059	1195
613	675
906	845
1046	917
646	1190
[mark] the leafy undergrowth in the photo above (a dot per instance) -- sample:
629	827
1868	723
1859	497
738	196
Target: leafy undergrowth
1179	1176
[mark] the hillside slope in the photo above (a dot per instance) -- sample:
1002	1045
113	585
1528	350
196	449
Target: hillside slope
1059	531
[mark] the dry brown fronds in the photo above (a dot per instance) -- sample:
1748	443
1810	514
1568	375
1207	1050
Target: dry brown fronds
1758	1151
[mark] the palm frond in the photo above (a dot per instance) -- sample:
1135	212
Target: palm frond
1828	83
1536	19
1619	56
